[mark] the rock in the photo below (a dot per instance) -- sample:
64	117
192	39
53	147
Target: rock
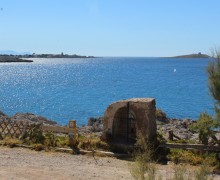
27	117
96	124
161	116
180	128
32	117
95	121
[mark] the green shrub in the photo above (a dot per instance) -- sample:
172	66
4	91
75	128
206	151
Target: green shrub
204	126
192	157
50	139
213	70
36	136
62	141
184	156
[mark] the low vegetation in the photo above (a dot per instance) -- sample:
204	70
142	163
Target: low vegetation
37	140
92	142
204	126
144	166
214	81
10	141
192	157
182	172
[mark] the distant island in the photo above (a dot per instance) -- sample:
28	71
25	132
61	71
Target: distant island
20	58
199	55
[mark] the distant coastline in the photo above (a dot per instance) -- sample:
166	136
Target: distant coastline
5	58
199	55
12	58
53	56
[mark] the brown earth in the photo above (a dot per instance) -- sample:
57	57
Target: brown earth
20	163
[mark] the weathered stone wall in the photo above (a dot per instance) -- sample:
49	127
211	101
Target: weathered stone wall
144	110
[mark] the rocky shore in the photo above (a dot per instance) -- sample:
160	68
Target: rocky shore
179	127
27	117
9	58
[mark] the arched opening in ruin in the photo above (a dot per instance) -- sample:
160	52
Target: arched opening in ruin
124	125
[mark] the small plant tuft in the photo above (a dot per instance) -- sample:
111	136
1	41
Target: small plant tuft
11	142
203	173
36	136
143	168
92	142
204	127
50	139
38	147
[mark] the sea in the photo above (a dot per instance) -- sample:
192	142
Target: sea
66	89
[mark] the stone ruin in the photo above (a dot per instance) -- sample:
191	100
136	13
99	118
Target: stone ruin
124	119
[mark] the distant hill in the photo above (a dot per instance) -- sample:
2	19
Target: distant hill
199	55
11	52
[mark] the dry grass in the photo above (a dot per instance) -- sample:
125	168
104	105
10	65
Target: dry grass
92	142
10	141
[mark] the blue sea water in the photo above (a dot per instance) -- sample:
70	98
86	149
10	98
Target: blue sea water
64	89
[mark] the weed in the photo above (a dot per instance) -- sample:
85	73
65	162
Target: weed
192	157
181	173
92	142
143	168
11	142
62	141
204	126
50	139
36	136
38	147
203	173
185	156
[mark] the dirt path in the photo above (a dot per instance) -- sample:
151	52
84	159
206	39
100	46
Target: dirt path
20	164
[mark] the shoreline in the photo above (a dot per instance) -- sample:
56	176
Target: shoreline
180	127
12	59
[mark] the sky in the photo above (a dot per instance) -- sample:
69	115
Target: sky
143	28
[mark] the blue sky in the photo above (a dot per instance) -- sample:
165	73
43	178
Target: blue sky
110	27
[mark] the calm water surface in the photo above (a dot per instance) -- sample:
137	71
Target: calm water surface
64	89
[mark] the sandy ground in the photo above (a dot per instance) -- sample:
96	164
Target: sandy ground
20	163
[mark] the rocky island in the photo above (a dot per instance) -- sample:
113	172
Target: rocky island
199	55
